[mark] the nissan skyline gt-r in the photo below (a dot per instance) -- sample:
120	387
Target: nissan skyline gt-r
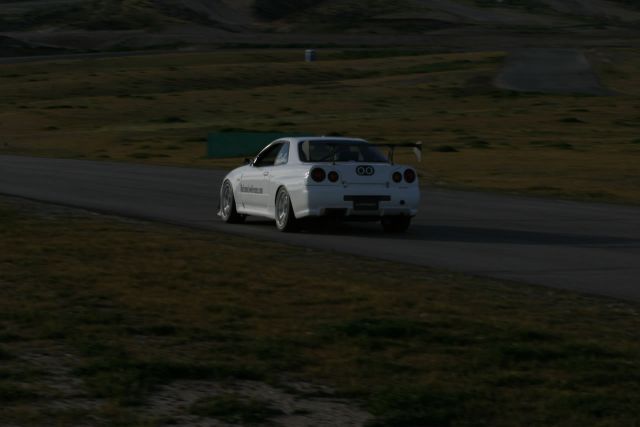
307	177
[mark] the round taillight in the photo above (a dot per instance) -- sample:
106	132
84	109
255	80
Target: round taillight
333	176
397	177
318	174
409	175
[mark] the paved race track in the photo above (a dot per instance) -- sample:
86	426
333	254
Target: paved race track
585	247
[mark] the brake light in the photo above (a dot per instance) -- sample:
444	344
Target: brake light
397	177
318	174
409	175
333	176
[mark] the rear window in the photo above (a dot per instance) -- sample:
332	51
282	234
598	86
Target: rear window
341	151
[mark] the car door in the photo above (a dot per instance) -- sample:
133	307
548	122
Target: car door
254	182
276	173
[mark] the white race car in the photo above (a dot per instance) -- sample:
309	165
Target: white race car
306	177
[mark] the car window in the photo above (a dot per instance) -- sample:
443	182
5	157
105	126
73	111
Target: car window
340	151
268	156
283	156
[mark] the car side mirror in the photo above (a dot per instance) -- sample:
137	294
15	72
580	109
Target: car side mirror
248	161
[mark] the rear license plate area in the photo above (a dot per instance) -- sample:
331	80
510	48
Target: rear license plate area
366	203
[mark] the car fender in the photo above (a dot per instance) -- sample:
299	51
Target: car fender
234	178
289	178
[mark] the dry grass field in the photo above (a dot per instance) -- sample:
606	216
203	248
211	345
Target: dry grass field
110	322
113	322
121	323
159	108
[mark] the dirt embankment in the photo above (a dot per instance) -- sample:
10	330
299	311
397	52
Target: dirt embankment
549	71
10	46
41	26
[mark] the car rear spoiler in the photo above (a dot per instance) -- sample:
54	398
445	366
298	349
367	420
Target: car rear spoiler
416	146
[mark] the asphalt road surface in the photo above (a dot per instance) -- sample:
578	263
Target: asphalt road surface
593	248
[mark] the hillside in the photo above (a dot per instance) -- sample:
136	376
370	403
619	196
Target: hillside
119	14
138	24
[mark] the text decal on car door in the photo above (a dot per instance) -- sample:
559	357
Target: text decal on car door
251	189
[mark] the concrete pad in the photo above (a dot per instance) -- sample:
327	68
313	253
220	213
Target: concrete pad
549	71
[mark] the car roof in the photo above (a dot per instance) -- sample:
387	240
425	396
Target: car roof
298	139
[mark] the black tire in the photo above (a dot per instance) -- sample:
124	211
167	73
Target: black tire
283	212
228	211
396	224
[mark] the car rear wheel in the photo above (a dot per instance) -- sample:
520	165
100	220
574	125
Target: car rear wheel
228	211
285	218
396	224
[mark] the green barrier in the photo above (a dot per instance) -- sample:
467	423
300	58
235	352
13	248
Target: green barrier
239	144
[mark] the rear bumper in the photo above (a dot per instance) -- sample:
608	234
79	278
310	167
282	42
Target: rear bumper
364	202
